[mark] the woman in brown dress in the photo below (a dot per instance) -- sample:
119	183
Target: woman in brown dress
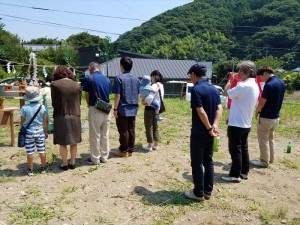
66	98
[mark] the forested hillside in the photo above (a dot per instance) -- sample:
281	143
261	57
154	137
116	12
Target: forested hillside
218	30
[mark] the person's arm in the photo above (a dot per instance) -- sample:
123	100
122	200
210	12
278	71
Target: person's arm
116	104
261	104
22	121
46	125
154	88
203	117
218	116
87	98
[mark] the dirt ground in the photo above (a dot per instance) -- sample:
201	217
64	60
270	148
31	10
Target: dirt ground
147	188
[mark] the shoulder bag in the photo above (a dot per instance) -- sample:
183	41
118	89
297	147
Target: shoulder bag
23	130
162	105
100	104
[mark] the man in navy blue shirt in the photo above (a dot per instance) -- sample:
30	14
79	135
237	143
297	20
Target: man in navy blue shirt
206	114
268	111
98	120
126	90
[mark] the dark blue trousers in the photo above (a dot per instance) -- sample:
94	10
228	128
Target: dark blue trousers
201	157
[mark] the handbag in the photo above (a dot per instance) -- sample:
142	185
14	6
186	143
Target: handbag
100	104
162	104
23	130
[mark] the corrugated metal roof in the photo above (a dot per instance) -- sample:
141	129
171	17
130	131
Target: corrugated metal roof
171	69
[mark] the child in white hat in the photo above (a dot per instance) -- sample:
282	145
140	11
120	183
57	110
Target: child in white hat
37	131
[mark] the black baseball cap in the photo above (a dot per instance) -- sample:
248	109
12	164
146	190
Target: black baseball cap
198	68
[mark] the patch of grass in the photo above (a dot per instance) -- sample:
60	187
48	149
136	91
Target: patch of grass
3	162
281	212
33	213
51	158
186	148
289	163
148	162
127	169
104	221
5	179
33	191
266	216
295	221
174	165
18	154
253	206
69	189
168	215
93	168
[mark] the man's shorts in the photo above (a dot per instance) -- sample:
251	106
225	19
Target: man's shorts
35	137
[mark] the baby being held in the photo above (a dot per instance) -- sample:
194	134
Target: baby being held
150	96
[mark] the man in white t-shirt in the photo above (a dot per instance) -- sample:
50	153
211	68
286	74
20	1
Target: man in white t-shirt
244	99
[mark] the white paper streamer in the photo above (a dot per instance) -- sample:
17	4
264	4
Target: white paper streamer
8	67
45	71
14	69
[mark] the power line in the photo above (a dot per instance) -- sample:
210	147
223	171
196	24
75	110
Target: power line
79	13
60	25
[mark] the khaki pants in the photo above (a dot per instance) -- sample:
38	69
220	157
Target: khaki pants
265	136
99	134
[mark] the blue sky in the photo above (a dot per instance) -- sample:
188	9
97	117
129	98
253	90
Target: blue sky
60	18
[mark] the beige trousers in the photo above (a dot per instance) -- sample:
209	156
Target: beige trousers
265	136
98	134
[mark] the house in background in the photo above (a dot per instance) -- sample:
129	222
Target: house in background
172	70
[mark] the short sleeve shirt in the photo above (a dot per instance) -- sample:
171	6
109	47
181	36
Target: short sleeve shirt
244	99
127	86
28	112
274	90
102	86
205	95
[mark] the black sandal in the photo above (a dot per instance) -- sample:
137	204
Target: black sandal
63	167
72	167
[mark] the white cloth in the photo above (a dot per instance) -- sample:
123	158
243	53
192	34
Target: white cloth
244	99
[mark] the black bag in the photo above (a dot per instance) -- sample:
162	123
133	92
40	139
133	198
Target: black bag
21	137
23	130
100	104
103	106
162	104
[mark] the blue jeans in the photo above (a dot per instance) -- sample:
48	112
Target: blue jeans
202	156
238	149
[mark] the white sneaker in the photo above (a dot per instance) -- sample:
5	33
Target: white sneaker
258	163
147	148
231	179
155	147
191	195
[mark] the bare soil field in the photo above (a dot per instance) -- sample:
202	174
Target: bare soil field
148	187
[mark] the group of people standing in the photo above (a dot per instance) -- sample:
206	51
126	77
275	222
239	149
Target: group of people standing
206	114
66	101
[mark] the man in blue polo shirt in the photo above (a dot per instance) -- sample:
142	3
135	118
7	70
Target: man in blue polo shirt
98	120
206	114
268	111
126	90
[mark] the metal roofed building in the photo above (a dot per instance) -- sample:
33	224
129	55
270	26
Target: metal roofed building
171	70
